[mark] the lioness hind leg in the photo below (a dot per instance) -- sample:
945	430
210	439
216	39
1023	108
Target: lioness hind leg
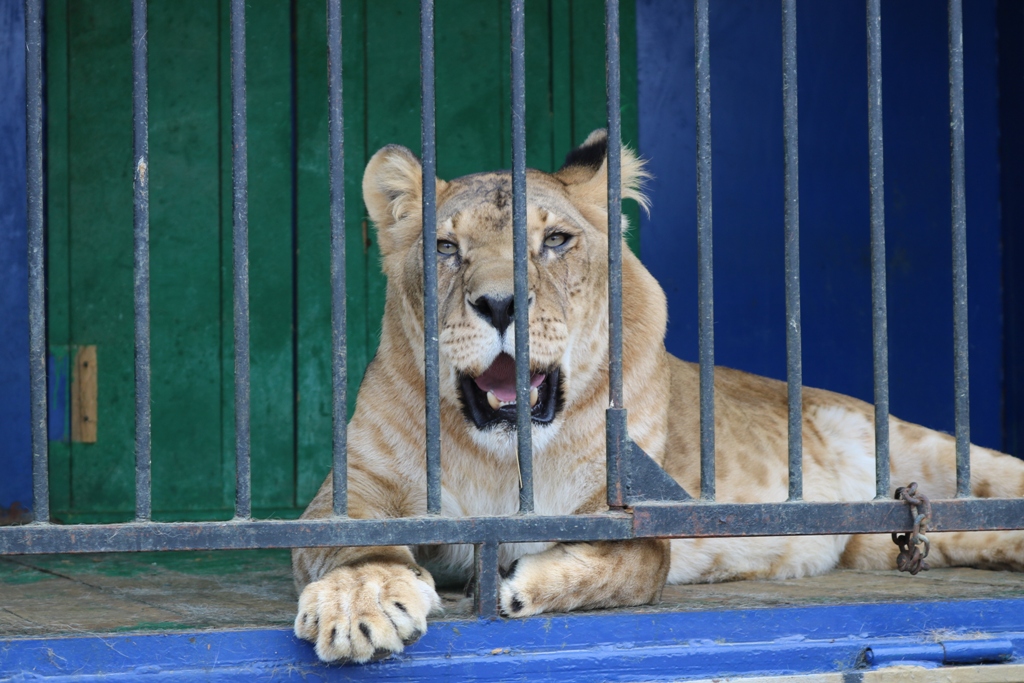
570	576
928	457
979	549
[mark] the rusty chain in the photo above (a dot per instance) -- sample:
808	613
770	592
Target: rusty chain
911	557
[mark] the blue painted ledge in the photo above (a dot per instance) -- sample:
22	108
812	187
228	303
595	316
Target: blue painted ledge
585	647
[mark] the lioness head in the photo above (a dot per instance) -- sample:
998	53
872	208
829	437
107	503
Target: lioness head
567	227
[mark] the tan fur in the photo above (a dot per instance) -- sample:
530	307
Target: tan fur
347	592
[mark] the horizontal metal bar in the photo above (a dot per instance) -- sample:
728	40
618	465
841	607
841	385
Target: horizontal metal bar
241	534
701	520
682	520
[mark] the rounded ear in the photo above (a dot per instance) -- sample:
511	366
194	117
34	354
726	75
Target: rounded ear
393	192
585	173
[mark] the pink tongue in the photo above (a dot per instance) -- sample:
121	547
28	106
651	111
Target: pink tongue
500	378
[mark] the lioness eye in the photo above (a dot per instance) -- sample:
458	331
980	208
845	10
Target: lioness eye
447	248
556	239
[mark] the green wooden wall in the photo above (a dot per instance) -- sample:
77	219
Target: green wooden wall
89	174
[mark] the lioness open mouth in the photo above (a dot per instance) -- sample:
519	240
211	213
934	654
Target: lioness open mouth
490	398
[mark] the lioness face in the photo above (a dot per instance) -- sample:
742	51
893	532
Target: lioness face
477	312
567	272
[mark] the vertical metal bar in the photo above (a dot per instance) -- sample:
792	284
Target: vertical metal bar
140	125
879	316
614	205
959	219
705	283
36	256
240	248
430	362
339	344
794	355
485	567
520	259
615	420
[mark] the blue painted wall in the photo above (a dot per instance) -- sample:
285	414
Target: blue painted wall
1011	163
746	97
15	453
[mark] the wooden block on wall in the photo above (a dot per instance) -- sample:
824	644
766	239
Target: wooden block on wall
83	396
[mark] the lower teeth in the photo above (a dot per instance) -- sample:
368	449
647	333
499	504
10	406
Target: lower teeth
496	404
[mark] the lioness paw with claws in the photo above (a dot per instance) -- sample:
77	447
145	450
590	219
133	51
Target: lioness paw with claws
364	612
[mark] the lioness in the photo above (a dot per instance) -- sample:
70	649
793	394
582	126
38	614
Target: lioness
356	602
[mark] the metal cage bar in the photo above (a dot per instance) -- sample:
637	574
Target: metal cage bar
240	253
485	567
339	337
140	125
879	315
962	414
616	435
794	362
654	520
647	520
705	267
520	259
614	205
430	343
36	258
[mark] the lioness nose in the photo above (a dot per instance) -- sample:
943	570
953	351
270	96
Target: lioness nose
496	311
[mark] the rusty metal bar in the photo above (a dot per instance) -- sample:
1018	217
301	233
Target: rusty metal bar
520	259
794	364
140	125
36	258
705	265
485	575
240	255
430	338
339	337
879	315
616	435
653	520
961	375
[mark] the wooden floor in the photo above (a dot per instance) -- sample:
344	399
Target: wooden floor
86	594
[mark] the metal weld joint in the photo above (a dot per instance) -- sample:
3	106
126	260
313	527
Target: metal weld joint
911	557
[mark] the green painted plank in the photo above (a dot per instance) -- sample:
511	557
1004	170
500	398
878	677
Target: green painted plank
363	327
469	98
100	197
271	285
540	152
561	81
185	254
57	253
392	113
313	402
540	106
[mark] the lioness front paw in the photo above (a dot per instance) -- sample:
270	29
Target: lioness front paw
367	611
521	591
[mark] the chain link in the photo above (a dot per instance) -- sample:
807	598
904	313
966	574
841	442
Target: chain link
911	557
